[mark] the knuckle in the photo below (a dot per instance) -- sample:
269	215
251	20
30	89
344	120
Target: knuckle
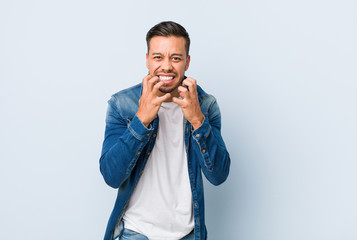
158	84
152	81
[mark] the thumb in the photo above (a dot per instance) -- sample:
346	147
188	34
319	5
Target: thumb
177	101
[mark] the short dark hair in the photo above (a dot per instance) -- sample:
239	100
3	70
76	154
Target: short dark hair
166	29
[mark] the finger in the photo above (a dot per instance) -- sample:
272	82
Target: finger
152	82
189	84
162	99
183	91
178	101
192	85
193	81
145	82
157	86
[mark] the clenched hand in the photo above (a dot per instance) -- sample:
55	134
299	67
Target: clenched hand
189	104
150	102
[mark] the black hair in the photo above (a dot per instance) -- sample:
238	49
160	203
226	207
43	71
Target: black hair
166	29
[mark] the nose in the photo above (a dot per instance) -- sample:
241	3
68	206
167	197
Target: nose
166	65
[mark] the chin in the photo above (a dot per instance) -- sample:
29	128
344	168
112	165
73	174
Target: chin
167	90
170	89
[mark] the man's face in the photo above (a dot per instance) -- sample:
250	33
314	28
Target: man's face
168	60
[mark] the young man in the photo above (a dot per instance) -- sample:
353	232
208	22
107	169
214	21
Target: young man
160	136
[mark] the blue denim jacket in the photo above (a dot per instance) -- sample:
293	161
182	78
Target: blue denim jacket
128	143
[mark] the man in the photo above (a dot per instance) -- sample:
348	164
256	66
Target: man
160	135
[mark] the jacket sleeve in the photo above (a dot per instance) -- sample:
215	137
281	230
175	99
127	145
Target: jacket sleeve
124	140
209	146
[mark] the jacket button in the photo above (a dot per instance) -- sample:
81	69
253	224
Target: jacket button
138	153
154	135
197	135
148	134
203	150
148	153
142	172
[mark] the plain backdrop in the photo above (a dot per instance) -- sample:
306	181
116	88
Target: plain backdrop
284	74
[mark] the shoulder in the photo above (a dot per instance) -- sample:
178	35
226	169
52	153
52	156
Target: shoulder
127	101
206	100
129	93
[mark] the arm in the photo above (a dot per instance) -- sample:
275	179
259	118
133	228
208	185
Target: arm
125	139
209	146
123	143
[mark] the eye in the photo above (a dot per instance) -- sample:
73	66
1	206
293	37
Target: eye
157	57
176	59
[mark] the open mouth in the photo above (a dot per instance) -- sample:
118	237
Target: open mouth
166	79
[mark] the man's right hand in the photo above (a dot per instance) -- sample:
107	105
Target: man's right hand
150	101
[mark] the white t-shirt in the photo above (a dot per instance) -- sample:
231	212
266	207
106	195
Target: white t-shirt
161	206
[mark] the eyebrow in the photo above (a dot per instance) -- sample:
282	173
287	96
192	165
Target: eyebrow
174	54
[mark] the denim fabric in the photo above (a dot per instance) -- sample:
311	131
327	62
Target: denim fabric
190	236
132	235
128	143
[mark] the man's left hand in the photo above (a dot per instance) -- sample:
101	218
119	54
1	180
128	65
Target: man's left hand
189	104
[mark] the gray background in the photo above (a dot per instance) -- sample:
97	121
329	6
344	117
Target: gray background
284	74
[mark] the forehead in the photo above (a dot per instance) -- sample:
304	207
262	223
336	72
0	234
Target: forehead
171	44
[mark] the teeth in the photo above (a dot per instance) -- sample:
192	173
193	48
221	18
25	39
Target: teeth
165	78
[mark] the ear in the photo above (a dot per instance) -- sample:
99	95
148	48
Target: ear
147	60
187	62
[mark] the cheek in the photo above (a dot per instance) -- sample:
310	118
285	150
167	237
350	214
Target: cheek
179	67
153	66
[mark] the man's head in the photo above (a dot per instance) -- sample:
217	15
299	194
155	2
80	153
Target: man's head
167	29
167	57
